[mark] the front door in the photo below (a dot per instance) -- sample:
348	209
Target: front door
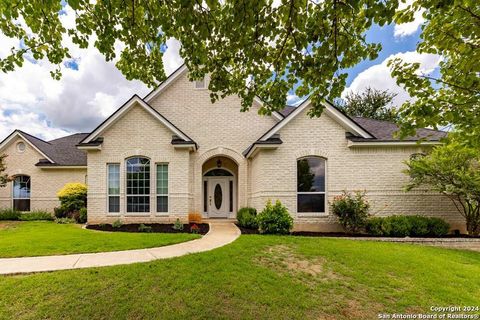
218	199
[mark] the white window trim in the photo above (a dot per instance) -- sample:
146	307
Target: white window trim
312	214
119	191
158	194
126	212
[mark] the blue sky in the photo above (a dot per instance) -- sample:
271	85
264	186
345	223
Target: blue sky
91	88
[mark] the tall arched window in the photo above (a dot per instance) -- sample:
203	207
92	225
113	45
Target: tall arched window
21	193
138	184
311	185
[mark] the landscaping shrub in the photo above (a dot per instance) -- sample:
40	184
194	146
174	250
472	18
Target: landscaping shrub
36	215
73	196
178	225
351	210
60	212
64	220
402	226
194	229
194	217
144	228
9	214
275	219
117	224
82	215
247	218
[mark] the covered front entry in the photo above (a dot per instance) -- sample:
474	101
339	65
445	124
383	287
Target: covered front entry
219	188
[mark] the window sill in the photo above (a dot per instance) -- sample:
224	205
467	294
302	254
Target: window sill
312	214
137	214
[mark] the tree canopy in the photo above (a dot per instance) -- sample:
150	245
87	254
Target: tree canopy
371	103
3	175
453	170
265	48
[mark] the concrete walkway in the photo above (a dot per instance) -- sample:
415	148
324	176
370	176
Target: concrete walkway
220	234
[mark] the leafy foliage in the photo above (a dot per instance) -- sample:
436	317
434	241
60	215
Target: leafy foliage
247	218
9	214
65	220
178	225
351	210
371	103
82	215
73	201
452	30
36	215
267	48
402	226
453	170
3	167
144	228
275	219
117	224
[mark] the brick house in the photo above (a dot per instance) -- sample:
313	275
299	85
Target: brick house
173	152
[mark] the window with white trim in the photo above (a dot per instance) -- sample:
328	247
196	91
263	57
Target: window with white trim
138	185
21	193
113	185
162	187
311	185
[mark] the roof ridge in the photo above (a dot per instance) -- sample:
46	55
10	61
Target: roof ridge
32	136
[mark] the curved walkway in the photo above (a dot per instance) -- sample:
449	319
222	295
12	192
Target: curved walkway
220	234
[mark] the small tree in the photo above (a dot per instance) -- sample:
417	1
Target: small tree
453	170
351	210
371	103
3	167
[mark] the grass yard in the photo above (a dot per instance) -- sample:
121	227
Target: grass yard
256	277
39	238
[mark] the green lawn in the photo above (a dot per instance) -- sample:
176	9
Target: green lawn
39	238
256	277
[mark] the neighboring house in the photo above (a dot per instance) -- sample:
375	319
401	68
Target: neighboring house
173	152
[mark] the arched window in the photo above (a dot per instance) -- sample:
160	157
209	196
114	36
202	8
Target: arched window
138	184
311	185
21	193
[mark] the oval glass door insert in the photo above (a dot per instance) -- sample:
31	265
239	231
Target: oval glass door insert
217	195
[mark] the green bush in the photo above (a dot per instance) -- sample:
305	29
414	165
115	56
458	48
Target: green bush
117	224
351	210
60	212
275	219
65	220
402	226
144	228
247	218
36	215
438	227
9	214
178	225
82	215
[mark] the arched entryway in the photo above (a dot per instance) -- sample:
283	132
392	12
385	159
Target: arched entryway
219	189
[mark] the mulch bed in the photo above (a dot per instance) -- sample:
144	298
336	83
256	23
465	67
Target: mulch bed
156	227
247	231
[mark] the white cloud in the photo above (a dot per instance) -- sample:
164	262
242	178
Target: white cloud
32	101
379	77
408	28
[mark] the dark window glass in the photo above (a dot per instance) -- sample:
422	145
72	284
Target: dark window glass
311	184
162	203
217	196
218	173
311	175
314	202
21	193
138	185
205	196
231	196
21	204
113	204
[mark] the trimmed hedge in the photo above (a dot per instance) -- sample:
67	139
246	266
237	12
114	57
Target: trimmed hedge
36	215
403	226
9	214
247	218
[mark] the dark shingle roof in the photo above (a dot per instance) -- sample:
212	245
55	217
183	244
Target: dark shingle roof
62	151
383	130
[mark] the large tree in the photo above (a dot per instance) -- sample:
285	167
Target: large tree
265	48
453	170
370	103
451	98
3	175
